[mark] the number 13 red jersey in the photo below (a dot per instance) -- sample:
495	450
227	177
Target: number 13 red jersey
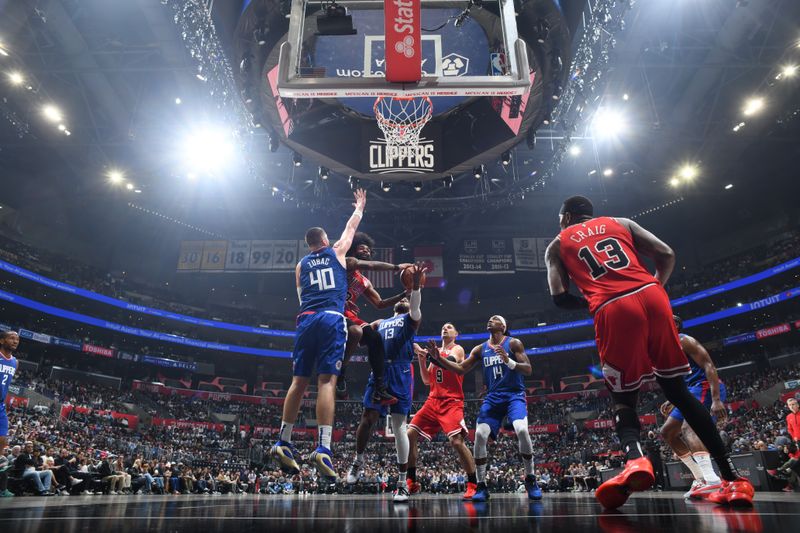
601	259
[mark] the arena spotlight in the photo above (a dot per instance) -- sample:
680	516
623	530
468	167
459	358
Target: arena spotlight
417	186
52	113
3	50
753	106
274	142
324	173
261	32
688	172
115	176
208	150
574	150
297	159
547	119
541	30
530	139
478	171
16	78
607	172
178	101
129	186
788	71
505	158
729	186
447	181
354	182
386	186
608	123
674	182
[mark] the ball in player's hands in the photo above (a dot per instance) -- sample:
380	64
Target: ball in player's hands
407	278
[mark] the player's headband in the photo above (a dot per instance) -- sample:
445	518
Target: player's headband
501	319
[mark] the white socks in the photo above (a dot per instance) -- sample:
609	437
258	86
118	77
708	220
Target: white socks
703	460
480	473
286	431
692	465
325	433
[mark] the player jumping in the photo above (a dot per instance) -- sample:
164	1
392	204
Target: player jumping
9	341
443	410
321	279
397	333
635	334
504	363
360	332
704	384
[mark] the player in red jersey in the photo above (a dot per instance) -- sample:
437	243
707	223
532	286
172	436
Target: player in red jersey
360	332
443	410
636	337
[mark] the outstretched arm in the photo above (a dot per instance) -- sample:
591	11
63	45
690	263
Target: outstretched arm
377	302
423	363
344	242
698	353
651	246
558	279
354	263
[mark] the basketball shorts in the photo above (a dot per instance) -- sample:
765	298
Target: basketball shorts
319	343
637	339
497	405
445	414
352	318
702	392
3	422
400	384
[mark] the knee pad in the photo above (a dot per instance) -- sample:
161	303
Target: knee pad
524	437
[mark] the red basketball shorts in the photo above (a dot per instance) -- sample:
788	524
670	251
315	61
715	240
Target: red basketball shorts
637	339
353	318
445	414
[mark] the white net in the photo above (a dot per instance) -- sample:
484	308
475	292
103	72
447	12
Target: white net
401	118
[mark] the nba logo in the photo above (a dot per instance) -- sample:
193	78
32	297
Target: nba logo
471	246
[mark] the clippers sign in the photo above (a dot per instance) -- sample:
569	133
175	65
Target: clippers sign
378	157
403	40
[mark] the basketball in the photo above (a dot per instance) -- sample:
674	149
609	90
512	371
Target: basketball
407	277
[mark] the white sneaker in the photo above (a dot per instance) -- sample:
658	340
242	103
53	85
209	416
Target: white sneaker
401	495
696	484
352	474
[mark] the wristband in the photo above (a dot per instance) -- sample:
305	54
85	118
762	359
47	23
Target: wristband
358	213
511	364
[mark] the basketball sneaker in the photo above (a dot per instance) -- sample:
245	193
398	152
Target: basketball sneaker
285	453
701	492
696	484
401	494
736	493
481	493
637	476
471	489
534	492
381	396
352	474
324	459
413	486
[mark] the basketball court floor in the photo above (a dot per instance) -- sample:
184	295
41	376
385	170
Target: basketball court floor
580	513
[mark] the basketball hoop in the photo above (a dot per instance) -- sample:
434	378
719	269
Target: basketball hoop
401	118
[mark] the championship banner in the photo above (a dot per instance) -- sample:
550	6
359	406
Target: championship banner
431	258
491	256
214	255
190	256
529	253
382	280
240	256
402	27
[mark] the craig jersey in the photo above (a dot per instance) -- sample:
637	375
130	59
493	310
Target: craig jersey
496	374
445	383
323	282
600	257
357	283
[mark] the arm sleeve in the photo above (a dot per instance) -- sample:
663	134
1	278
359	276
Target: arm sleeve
416	299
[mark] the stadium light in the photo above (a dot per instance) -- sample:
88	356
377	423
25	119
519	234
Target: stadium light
52	113
208	150
674	182
116	176
753	106
729	186
608	123
478	171
16	78
324	173
505	158
608	172
129	186
688	172
788	71
297	159
386	186
574	150
178	101
3	50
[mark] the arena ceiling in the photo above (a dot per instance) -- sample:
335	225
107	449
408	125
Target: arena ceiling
677	82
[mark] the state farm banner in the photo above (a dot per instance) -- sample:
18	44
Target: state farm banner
431	258
402	27
529	253
773	330
97	350
486	256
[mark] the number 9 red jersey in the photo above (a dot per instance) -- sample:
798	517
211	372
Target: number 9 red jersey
444	383
601	259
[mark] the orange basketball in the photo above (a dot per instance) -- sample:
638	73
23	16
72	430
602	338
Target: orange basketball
407	277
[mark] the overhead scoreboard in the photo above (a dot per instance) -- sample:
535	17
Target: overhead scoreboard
240	256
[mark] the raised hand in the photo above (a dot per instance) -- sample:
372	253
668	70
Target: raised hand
499	350
360	196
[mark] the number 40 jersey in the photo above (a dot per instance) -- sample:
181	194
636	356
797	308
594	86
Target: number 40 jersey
323	282
601	259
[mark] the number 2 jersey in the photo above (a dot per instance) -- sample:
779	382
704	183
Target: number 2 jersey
601	259
323	282
8	367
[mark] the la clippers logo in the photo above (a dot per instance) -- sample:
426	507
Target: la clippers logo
404	23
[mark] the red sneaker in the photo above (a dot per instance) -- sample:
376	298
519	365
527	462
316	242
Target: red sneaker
702	492
738	493
471	488
413	486
637	476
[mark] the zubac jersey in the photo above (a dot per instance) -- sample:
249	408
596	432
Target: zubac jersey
357	283
323	282
398	338
496	374
601	259
445	383
696	375
8	367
